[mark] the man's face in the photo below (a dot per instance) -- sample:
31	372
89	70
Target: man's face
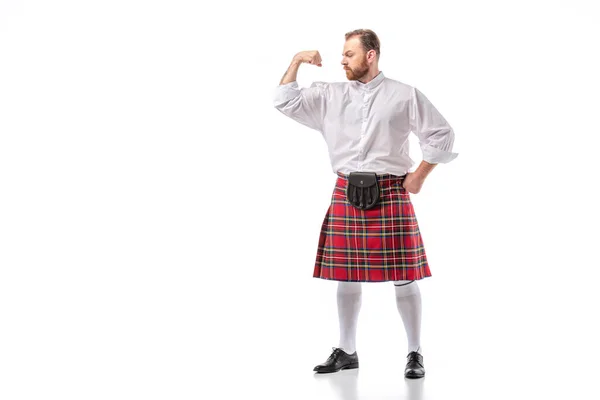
354	59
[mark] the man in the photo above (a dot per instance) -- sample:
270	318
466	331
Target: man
370	232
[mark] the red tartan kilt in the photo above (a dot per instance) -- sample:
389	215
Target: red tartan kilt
376	245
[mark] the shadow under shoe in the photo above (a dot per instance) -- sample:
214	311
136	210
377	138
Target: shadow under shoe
337	361
415	368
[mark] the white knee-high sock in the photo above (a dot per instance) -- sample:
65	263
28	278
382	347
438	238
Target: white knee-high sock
349	300
408	301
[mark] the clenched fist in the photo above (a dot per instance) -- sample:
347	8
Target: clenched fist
309	57
413	182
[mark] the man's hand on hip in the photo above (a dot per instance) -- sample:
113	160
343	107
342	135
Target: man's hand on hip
413	182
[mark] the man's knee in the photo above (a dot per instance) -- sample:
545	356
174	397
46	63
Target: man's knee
349	287
406	288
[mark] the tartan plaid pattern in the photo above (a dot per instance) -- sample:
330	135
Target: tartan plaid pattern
376	245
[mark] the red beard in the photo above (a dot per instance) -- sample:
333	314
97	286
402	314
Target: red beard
357	73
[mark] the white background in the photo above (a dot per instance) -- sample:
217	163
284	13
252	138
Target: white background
159	218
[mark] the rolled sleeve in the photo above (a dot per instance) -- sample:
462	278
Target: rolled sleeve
285	93
436	156
436	136
304	105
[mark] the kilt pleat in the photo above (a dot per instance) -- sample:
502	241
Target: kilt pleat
376	245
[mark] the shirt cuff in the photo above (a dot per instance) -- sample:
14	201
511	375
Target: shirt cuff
436	156
284	93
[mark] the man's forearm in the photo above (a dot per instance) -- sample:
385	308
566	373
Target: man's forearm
292	72
424	169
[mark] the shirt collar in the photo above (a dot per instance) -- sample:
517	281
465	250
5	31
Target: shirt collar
373	83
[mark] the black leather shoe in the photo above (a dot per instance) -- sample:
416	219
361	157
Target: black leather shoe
338	360
414	367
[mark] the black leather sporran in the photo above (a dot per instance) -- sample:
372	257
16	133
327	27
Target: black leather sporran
362	190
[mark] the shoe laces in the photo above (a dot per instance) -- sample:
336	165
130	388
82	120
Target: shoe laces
334	354
413	356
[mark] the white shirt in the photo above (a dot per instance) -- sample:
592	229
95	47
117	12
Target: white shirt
366	126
